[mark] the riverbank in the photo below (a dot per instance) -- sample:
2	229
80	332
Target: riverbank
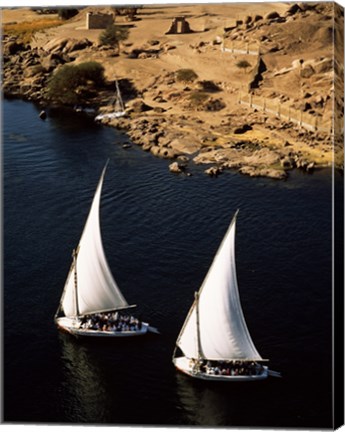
202	121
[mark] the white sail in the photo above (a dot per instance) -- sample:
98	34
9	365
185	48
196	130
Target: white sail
221	332
96	288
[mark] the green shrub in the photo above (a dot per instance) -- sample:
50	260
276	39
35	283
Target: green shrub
91	71
208	86
186	75
113	35
73	84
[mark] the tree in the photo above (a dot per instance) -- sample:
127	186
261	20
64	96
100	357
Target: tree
243	64
74	84
113	35
91	71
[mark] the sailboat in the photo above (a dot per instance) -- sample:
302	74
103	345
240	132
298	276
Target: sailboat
91	303
117	103
214	340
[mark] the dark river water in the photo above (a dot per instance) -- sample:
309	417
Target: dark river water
160	234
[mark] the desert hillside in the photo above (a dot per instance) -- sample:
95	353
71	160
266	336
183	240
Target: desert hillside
265	90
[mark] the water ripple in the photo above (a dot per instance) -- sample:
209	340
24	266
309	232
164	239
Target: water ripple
160	235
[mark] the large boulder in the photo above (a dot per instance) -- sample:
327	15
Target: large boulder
263	172
32	71
272	15
287	162
175	168
307	71
140	106
292	10
76	45
66	45
55	45
323	66
182	145
214	171
51	61
165	153
262	157
13	47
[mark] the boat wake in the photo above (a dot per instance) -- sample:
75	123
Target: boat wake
153	330
274	374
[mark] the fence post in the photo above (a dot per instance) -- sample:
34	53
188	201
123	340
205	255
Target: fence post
250	100
264	106
300	122
278	112
316	124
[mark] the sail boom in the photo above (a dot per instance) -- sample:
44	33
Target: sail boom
222	359
101	311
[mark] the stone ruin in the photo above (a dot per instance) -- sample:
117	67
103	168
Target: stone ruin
98	20
179	25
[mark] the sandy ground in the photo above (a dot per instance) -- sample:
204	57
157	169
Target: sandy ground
198	51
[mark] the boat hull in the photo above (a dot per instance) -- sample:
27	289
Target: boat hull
72	326
110	116
183	364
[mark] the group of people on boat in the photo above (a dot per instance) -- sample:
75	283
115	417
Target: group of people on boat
232	368
112	322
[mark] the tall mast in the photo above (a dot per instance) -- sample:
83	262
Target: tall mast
119	97
75	255
199	349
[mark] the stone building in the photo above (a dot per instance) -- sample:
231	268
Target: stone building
179	25
98	20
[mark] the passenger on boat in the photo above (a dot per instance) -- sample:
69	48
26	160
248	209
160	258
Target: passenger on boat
110	322
232	368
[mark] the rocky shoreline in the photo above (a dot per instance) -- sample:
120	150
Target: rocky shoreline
245	147
259	146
